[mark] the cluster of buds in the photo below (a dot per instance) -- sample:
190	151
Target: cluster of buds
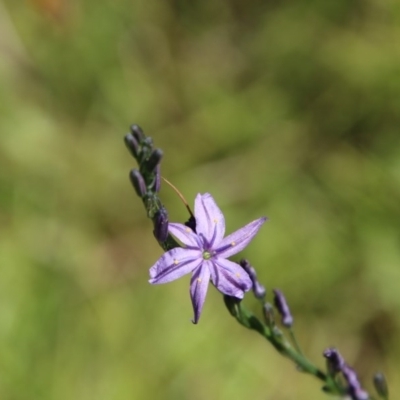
147	179
336	365
260	293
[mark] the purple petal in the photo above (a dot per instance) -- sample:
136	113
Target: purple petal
185	235
174	264
198	289
210	222
238	240
230	278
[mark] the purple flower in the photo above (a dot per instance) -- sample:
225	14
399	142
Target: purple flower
205	254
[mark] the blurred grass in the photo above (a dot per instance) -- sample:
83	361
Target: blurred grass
284	109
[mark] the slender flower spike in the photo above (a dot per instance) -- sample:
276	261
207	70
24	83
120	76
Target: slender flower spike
204	253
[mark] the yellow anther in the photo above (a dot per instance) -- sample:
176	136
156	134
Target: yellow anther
199	280
187	229
176	262
233	243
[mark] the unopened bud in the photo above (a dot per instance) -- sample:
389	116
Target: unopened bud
132	144
153	160
381	385
283	308
157	180
334	360
248	268
161	225
258	289
138	182
137	132
355	390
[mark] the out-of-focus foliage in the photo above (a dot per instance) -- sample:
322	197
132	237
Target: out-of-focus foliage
281	108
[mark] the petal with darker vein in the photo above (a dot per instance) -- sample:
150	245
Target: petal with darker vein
238	240
210	221
230	278
175	264
198	289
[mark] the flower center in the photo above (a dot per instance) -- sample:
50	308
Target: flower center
206	255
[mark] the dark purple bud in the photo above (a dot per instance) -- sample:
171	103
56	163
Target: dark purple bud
161	225
132	144
283	308
334	360
248	268
137	132
138	182
355	390
268	312
157	180
258	289
153	160
381	385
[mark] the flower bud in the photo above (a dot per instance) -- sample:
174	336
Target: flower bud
138	182
259	290
355	390
157	180
248	268
283	308
334	360
153	160
161	225
137	132
381	385
132	144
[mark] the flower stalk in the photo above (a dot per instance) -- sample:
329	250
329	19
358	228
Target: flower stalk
202	242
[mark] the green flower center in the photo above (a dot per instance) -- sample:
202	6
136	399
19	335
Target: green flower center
206	255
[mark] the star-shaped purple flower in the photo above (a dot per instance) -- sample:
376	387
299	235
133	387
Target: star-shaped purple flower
205	254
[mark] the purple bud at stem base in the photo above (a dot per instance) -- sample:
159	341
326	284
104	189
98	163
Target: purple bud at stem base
161	225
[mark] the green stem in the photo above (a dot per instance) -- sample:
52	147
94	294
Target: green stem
294	341
279	342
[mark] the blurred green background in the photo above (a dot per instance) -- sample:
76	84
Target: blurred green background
281	108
